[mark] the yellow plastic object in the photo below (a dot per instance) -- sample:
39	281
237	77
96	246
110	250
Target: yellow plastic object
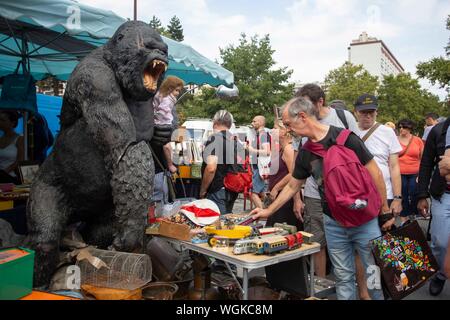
6	205
238	232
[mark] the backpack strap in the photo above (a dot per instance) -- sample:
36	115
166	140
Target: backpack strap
342	137
369	133
315	148
342	117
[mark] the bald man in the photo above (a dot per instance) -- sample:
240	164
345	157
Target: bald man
259	150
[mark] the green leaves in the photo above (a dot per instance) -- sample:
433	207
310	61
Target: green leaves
437	70
261	85
402	97
173	31
399	96
348	82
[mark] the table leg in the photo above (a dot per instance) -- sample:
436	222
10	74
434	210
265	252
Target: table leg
311	275
234	277
245	283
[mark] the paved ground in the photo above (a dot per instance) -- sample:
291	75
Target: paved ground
420	294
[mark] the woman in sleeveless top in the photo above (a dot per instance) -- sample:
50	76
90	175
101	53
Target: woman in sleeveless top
409	160
11	147
287	276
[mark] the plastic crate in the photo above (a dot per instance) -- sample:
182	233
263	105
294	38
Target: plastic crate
16	273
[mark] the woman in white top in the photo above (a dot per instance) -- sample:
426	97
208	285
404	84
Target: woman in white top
11	146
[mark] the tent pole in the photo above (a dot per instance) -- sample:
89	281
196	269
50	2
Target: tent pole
135	10
25	135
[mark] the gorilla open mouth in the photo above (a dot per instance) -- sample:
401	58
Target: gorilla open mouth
152	73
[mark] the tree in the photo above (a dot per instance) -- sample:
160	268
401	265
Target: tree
402	97
260	84
437	70
155	23
175	29
348	82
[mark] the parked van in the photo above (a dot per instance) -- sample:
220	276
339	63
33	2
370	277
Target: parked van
200	129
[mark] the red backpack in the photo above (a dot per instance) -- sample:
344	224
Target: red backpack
239	176
350	191
239	181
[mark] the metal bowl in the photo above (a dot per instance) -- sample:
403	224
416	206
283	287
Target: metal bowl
159	291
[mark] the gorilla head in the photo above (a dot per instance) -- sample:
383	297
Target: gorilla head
138	57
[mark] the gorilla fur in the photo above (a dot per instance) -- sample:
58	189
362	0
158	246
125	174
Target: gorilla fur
101	168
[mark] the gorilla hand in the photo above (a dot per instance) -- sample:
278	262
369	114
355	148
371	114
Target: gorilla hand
162	135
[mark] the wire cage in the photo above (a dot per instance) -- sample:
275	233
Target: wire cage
123	270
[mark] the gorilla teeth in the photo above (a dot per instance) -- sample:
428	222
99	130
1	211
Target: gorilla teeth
153	72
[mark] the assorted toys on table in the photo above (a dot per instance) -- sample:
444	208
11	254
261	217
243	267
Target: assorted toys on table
202	223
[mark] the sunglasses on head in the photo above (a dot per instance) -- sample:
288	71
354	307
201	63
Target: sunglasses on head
405	127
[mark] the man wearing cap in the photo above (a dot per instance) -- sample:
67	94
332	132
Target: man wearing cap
384	146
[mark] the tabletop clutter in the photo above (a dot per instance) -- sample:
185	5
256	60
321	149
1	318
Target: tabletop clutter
161	271
200	222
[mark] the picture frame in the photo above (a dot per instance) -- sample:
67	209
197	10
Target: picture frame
27	171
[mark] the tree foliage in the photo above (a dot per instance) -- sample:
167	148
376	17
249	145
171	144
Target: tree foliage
261	85
399	96
175	29
402	97
437	70
156	24
348	82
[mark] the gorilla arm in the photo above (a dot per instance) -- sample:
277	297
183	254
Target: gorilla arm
129	162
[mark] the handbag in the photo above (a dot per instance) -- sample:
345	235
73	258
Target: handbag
405	260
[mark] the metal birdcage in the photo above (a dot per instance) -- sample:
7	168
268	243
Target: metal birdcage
121	270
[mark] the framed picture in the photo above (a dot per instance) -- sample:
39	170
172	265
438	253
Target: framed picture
27	171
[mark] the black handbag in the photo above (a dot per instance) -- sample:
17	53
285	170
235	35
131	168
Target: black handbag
405	260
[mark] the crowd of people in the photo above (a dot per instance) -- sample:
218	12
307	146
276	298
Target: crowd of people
405	170
289	181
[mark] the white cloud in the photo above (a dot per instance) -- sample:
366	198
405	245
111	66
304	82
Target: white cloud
311	37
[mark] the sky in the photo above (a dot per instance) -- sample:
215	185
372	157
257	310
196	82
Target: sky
310	37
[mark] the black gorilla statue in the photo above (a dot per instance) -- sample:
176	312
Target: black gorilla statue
101	168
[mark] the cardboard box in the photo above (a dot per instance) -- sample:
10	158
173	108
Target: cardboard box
171	230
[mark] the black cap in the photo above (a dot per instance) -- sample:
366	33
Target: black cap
366	102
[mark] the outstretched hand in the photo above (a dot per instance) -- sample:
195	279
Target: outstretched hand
260	213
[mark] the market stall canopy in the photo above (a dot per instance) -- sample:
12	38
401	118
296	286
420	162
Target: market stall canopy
49	37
